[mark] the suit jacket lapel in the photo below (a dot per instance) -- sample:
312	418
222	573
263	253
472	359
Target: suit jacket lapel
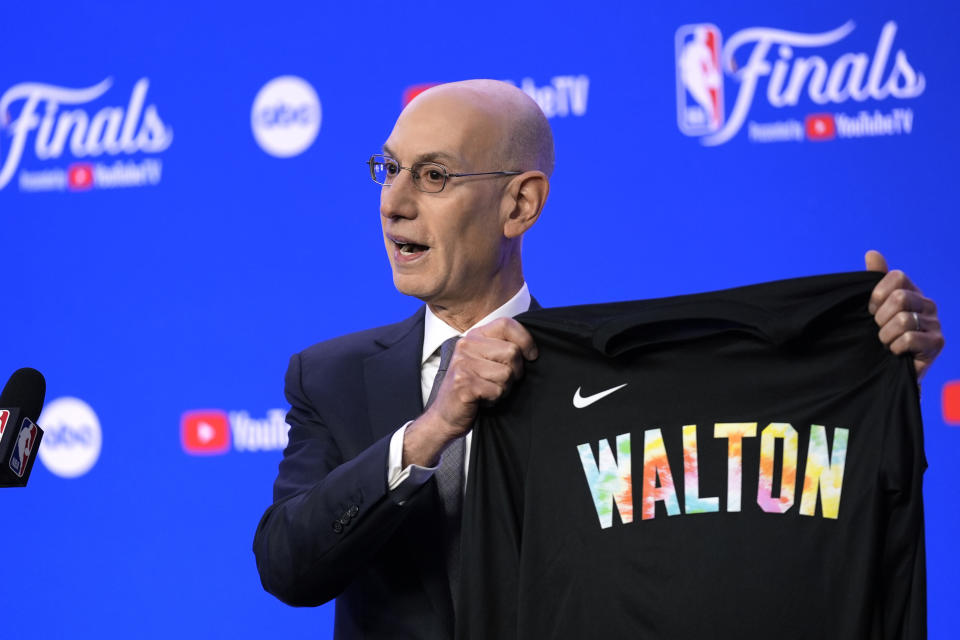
394	396
392	377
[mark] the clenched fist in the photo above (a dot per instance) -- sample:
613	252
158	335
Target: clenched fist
485	364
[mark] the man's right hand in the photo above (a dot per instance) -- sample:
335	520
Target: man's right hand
485	364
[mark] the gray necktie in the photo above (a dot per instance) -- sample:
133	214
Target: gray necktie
449	475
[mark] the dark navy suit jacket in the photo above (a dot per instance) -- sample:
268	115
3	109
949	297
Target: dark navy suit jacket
333	530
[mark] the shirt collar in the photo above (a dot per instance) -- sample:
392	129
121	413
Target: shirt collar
436	331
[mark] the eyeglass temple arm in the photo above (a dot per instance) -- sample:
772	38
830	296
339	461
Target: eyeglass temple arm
483	173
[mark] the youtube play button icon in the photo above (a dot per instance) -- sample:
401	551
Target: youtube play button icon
80	176
205	432
820	127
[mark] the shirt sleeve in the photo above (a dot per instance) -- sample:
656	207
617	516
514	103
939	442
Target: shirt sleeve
402	482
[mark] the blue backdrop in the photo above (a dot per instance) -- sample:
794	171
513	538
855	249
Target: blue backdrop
175	225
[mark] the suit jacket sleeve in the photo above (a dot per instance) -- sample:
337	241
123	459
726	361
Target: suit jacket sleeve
331	510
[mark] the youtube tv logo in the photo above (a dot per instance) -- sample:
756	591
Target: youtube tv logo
80	176
821	127
412	92
951	403
205	432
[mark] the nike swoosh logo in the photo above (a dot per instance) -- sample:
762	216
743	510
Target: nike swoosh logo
580	402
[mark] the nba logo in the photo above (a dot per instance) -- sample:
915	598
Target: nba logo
699	79
23	447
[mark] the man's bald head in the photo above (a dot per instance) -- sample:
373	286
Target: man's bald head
459	249
513	127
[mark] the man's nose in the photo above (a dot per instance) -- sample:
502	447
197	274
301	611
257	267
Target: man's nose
398	200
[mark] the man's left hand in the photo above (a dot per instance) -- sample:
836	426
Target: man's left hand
908	320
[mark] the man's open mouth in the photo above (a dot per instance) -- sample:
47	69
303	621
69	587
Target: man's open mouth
407	248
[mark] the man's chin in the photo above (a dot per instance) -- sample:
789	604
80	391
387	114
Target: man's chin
414	286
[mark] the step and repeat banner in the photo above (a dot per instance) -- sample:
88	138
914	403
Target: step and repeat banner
184	203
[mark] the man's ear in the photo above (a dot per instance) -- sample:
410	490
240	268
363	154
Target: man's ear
523	202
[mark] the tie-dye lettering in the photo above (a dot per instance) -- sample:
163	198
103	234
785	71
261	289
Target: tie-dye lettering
657	467
823	474
735	432
788	475
609	479
692	502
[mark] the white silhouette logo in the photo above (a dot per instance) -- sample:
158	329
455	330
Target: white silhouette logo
580	402
71	437
286	116
698	72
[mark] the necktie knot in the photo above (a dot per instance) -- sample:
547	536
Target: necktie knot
446	354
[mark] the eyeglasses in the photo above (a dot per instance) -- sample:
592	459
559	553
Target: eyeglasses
429	177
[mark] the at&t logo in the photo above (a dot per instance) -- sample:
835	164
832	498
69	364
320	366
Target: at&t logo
286	116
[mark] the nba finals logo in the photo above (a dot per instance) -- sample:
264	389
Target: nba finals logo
43	122
787	67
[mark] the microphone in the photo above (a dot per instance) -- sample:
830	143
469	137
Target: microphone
20	405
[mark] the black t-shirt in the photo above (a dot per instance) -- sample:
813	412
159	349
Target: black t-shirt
744	463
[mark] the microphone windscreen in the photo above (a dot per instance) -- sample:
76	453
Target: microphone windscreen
25	389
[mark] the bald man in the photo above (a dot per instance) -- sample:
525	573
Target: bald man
365	502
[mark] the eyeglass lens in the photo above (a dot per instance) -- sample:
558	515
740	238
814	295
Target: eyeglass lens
428	176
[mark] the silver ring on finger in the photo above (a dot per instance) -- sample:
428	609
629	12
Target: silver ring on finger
916	318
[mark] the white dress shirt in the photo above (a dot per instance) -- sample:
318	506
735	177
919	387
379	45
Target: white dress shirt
404	481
